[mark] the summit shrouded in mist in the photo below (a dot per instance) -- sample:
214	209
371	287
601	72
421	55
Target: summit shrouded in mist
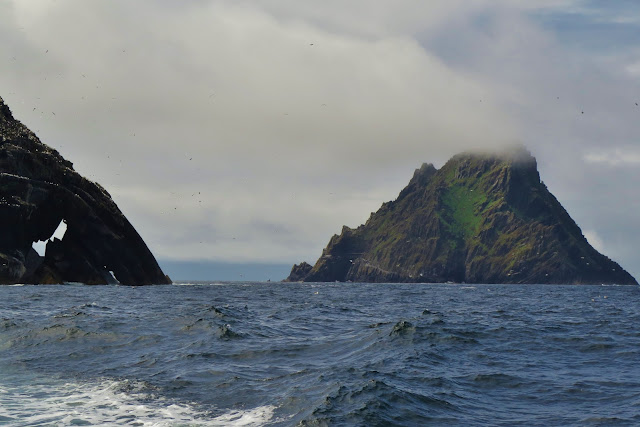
481	218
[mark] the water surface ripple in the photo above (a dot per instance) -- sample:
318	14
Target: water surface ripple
320	354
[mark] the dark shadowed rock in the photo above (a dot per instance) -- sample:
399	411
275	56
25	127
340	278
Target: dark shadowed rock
299	272
38	190
481	218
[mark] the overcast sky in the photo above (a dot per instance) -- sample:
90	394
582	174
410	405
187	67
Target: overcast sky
251	131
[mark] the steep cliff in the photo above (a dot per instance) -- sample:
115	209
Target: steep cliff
481	218
38	190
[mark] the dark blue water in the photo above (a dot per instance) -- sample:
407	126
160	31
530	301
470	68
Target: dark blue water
320	354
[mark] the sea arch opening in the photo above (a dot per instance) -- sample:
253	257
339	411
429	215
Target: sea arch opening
40	246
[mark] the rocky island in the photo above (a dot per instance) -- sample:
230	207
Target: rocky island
481	218
38	190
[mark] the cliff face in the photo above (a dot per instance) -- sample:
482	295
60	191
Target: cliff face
479	219
38	190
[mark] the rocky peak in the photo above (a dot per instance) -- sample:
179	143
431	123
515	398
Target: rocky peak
5	112
421	176
38	190
482	218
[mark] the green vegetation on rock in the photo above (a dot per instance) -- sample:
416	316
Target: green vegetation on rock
464	208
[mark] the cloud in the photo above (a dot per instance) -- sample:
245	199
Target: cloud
219	97
629	156
633	69
217	80
288	119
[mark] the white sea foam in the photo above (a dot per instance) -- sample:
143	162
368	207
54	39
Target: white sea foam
111	402
254	417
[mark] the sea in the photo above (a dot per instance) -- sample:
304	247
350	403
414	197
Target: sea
320	354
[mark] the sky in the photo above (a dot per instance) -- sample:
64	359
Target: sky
248	132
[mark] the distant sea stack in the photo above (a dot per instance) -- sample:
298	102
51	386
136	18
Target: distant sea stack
38	190
481	218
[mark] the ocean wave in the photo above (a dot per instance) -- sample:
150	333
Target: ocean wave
70	314
375	402
222	331
60	333
201	284
402	328
405	355
7	324
95	305
113	402
498	379
215	310
227	333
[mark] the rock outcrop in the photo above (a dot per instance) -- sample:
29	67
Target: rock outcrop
299	272
479	219
38	190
